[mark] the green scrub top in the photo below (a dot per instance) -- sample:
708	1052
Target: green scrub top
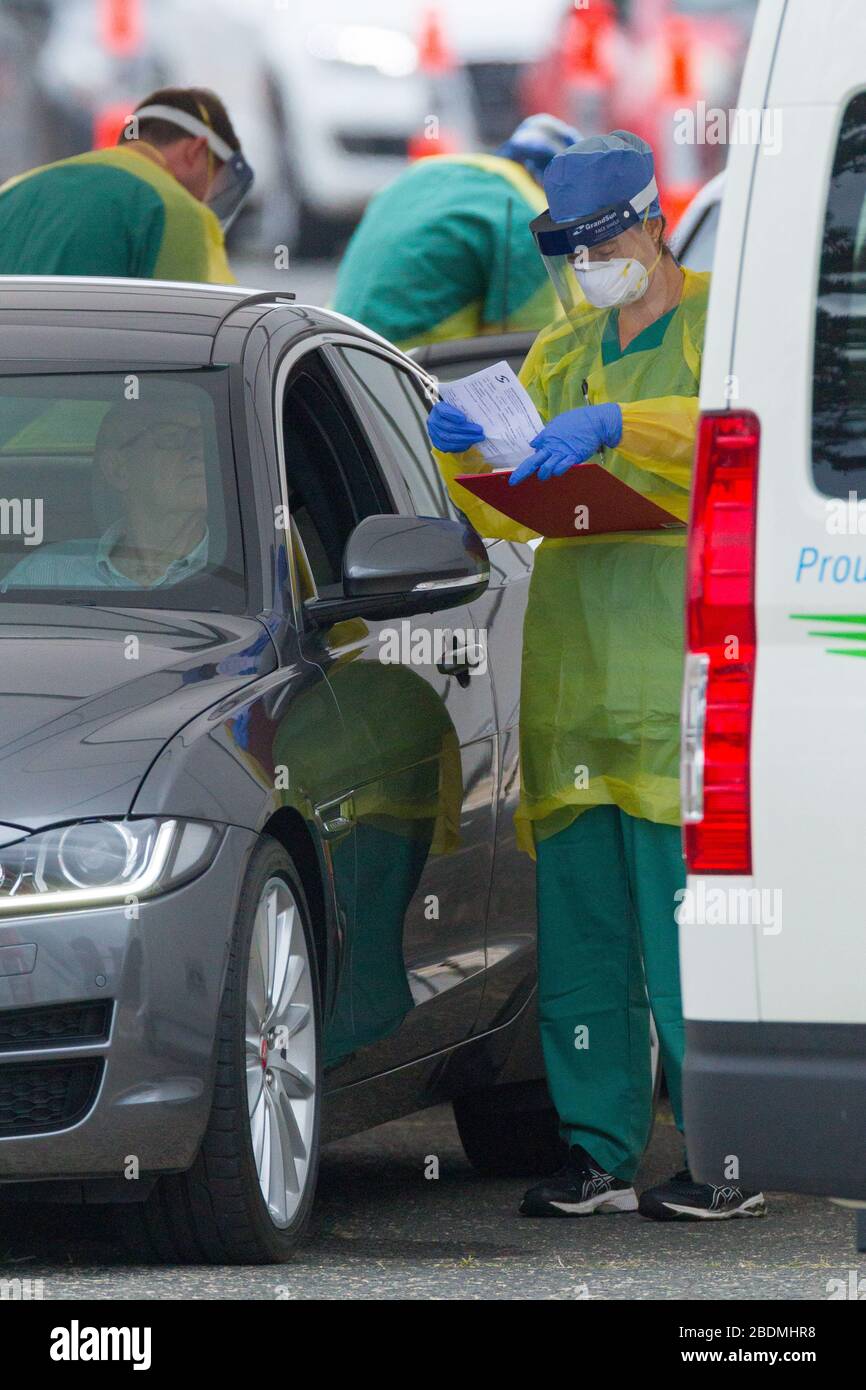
446	252
109	212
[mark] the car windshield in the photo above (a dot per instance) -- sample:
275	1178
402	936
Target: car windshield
119	483
700	250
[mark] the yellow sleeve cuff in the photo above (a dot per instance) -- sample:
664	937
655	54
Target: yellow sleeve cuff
659	436
488	522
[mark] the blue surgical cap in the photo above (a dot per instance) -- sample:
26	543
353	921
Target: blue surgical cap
537	140
601	172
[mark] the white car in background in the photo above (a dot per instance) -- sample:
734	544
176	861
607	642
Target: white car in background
346	92
328	96
350	90
497	41
325	94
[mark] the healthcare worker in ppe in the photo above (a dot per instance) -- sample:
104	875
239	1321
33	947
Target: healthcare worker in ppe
445	250
616	381
156	206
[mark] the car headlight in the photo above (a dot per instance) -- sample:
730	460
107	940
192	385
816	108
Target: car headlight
388	51
92	863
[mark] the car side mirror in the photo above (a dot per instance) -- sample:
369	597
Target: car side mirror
394	566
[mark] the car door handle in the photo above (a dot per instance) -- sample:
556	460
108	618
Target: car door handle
460	662
456	660
457	665
335	817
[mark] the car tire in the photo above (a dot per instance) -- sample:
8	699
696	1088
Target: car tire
218	1212
510	1131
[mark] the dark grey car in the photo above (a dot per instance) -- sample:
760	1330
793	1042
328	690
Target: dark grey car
259	885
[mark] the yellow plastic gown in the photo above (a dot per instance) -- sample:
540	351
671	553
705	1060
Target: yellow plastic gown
603	637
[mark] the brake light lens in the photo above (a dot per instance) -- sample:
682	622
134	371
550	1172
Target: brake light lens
721	645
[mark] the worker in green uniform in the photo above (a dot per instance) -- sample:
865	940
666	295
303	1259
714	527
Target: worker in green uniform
617	380
445	250
154	207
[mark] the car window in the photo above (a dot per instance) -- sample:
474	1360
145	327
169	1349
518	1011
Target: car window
119	482
331	484
396	410
839	391
701	246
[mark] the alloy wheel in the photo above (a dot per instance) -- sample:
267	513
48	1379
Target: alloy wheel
280	1051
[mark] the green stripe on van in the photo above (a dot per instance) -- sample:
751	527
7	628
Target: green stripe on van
845	621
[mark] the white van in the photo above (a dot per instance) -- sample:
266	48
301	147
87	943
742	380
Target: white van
773	924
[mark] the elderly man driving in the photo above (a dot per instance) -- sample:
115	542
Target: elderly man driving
152	457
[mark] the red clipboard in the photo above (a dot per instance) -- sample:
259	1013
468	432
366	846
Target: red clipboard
551	507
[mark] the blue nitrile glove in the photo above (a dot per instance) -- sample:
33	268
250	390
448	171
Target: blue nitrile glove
569	439
451	430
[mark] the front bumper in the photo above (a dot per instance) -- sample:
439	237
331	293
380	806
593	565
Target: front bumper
785	1101
142	1090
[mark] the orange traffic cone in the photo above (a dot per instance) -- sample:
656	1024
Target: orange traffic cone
448	111
588	66
108	123
121	33
120	26
679	166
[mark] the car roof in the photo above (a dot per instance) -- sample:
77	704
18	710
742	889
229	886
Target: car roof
95	321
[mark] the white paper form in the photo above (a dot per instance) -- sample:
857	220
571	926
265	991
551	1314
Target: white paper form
495	399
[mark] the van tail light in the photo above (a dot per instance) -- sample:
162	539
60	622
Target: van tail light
720	645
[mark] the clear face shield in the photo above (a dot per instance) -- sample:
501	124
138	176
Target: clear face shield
229	188
231	182
603	260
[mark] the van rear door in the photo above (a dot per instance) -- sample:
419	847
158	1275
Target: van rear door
800	359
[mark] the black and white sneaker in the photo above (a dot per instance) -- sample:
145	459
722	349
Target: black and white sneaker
579	1189
683	1199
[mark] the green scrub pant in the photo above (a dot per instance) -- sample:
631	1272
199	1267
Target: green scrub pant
607	938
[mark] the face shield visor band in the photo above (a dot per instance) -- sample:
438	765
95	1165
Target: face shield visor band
563	238
232	182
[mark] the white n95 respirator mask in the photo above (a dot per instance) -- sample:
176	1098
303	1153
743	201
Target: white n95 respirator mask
608	284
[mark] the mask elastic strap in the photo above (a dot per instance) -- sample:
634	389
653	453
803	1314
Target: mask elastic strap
661	247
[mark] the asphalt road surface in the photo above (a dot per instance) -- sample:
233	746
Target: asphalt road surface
382	1230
